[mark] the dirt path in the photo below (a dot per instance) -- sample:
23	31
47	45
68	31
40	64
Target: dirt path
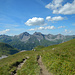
43	70
19	66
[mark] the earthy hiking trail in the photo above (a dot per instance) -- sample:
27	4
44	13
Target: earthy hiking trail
19	66
43	70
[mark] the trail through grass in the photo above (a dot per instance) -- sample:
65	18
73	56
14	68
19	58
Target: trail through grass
43	70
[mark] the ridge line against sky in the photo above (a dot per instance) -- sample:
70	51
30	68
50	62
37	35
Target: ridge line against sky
45	16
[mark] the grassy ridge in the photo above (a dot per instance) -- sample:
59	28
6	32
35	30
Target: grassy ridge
8	65
58	59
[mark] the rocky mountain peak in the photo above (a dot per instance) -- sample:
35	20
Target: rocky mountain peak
25	34
37	33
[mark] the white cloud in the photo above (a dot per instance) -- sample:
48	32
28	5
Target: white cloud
58	8
48	18
54	5
61	27
50	27
67	31
32	29
4	31
57	18
35	21
42	28
54	18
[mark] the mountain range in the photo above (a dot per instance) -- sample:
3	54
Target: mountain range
26	41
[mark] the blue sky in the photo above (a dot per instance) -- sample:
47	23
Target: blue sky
45	16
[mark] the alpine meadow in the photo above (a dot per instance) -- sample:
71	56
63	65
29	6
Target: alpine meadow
37	37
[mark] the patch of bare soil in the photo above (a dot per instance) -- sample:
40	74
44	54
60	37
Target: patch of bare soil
43	70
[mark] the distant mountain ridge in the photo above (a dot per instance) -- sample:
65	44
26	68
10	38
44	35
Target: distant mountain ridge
26	36
23	36
26	41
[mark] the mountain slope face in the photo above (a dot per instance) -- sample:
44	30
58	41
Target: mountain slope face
39	36
60	59
23	36
6	49
26	41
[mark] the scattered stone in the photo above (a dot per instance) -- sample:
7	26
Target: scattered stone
3	56
53	48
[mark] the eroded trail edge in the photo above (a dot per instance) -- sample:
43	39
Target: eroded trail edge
19	66
43	70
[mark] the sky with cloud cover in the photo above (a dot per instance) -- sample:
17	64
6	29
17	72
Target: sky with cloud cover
45	16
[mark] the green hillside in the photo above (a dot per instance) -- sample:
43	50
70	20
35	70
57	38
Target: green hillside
58	59
6	49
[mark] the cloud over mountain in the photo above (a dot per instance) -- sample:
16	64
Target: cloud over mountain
61	27
58	18
4	31
35	21
67	31
42	28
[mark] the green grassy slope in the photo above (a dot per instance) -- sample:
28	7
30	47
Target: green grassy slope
8	65
6	49
58	59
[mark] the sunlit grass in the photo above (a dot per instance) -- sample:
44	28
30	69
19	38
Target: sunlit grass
58	59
